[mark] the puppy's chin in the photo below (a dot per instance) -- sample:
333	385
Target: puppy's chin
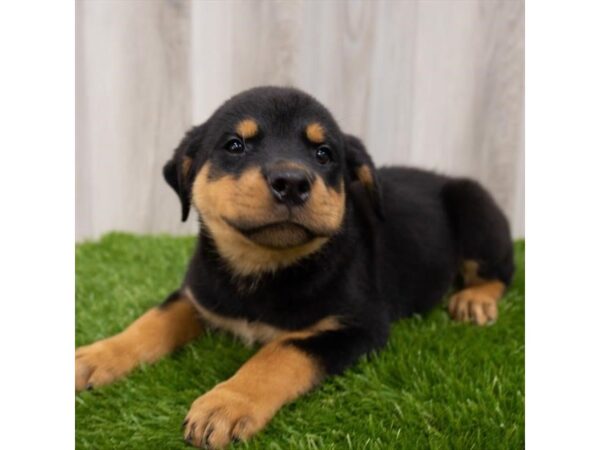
278	236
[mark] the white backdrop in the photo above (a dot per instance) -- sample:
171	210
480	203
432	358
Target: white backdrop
434	84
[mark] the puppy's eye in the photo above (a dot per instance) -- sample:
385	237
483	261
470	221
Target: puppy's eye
323	154
234	146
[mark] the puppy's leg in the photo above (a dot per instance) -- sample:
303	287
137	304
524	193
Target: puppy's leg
280	372
485	247
478	301
242	405
152	336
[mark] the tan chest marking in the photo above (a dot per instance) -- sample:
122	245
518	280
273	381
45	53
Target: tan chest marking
251	332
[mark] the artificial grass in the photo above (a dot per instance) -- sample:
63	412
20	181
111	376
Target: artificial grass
437	384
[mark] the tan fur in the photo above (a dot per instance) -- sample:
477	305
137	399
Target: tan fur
365	176
155	334
244	404
247	128
248	198
315	133
251	332
326	204
470	273
478	302
185	165
289	165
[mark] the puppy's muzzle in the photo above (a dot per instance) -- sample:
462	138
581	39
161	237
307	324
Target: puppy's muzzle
290	186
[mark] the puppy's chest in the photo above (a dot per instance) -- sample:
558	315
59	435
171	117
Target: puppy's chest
248	331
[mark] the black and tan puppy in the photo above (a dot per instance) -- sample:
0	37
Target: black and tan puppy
308	249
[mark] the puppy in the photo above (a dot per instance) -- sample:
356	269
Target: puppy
309	250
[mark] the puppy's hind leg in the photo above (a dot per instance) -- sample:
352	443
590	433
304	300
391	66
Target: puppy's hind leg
477	302
484	245
152	336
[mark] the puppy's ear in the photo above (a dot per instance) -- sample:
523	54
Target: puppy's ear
178	170
360	167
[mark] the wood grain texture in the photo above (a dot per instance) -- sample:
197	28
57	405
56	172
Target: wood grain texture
133	105
436	84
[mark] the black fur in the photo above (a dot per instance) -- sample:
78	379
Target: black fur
372	272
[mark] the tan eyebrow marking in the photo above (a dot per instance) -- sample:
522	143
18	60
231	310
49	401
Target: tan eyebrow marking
315	133
247	128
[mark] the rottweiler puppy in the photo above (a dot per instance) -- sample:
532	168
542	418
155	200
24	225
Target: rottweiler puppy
307	248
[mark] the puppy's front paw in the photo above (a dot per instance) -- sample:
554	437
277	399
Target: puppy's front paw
473	305
221	416
100	363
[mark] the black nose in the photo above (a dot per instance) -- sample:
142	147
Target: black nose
290	186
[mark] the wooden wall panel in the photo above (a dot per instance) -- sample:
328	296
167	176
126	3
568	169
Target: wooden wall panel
437	84
133	104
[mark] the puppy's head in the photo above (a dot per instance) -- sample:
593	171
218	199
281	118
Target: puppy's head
268	174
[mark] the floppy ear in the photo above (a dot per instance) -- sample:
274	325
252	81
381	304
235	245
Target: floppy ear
360	167
178	170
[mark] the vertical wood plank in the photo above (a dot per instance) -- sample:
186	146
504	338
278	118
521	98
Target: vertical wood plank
212	68
133	94
502	114
468	96
435	84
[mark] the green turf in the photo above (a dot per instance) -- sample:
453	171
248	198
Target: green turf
437	384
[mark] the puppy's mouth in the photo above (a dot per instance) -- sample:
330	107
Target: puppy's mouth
276	235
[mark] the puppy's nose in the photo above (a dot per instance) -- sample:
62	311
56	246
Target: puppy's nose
290	186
